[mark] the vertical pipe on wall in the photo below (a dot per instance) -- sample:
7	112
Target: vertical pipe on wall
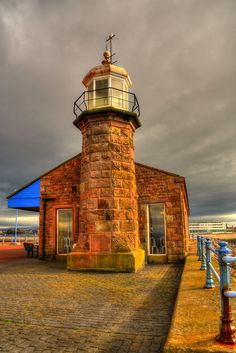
45	199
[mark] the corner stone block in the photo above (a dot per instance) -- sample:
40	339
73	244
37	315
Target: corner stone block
115	262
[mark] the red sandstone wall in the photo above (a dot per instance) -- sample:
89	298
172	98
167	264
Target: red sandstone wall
152	186
155	186
63	184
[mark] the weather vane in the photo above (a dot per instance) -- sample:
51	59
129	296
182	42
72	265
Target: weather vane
109	42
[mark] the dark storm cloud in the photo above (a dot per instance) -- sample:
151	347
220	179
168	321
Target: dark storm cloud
181	59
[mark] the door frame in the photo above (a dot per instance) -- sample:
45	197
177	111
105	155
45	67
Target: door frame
72	220
148	229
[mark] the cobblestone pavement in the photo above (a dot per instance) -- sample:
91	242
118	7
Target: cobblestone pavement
45	308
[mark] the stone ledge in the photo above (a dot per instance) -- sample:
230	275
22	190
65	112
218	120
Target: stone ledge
107	262
157	259
126	115
196	318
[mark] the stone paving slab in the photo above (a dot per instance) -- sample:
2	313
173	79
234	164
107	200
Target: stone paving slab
196	319
45	308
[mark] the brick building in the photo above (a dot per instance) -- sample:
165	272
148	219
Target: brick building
100	210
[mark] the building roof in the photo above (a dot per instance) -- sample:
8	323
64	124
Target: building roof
42	175
27	198
104	69
26	186
158	170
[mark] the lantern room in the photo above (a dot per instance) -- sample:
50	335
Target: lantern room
107	85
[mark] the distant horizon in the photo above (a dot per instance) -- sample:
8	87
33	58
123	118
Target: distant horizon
30	220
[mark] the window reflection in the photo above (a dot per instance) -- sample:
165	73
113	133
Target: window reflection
117	98
64	231
101	93
156	229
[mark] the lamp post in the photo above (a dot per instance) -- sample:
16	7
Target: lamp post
16	224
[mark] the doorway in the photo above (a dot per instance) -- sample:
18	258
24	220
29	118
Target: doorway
64	231
156	233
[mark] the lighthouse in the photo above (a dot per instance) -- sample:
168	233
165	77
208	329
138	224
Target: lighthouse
107	115
100	210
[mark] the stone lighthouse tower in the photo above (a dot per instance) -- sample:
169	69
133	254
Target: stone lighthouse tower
107	116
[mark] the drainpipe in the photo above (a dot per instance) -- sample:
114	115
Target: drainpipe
45	199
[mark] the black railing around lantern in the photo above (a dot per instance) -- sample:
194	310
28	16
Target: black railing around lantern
106	97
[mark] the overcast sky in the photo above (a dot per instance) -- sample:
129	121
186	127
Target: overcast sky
181	57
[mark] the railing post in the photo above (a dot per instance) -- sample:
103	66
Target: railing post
203	264
199	247
209	278
227	330
199	244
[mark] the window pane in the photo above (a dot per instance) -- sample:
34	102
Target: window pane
125	97
156	229
101	93
117	94
90	96
117	84
64	231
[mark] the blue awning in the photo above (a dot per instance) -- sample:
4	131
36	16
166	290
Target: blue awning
27	198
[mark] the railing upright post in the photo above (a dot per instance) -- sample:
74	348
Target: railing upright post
227	329
203	264
209	278
199	247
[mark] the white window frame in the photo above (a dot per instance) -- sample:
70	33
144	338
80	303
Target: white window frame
109	77
148	228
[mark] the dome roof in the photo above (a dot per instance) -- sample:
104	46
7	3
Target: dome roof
106	68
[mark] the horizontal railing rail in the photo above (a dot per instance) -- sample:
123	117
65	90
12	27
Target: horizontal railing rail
205	248
104	97
20	238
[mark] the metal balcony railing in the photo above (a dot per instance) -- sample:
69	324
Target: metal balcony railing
106	97
205	248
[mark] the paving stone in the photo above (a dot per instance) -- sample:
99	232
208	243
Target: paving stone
48	309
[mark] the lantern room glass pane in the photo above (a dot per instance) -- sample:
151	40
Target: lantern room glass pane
117	93
64	230
90	96
125	97
157	229
101	93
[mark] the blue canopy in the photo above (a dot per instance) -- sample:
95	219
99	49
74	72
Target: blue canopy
26	198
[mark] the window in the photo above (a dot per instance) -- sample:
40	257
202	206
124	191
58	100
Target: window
90	96
125	96
101	93
117	94
109	91
64	231
156	223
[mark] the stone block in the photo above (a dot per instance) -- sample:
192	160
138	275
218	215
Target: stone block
115	165
157	259
106	173
100	130
127	226
117	183
95	157
105	192
103	226
101	242
95	173
111	262
125	203
103	204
